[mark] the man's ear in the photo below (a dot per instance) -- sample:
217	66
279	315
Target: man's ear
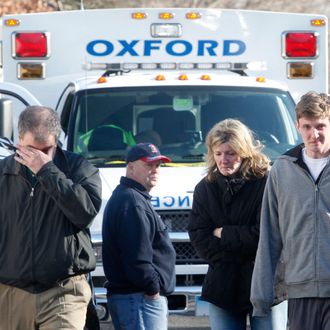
129	168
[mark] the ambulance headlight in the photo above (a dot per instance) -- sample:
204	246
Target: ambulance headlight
166	30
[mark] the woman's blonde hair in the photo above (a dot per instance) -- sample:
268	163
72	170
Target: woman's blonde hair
242	141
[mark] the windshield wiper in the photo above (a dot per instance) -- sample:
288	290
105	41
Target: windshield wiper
107	159
191	157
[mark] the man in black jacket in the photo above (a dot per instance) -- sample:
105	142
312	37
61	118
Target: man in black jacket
49	198
138	256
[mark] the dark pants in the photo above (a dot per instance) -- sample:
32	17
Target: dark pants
309	314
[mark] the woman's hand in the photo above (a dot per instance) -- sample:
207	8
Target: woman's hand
217	232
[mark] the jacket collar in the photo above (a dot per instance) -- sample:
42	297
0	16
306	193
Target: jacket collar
135	185
295	153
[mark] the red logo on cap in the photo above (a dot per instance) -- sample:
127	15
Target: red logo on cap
153	148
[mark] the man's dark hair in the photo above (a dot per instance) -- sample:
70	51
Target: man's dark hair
40	121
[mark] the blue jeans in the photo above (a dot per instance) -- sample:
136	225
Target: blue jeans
136	312
222	319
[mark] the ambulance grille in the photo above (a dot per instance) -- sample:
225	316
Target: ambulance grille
186	254
177	221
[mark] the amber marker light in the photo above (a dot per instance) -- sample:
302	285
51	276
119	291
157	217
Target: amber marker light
160	77
11	22
205	77
183	77
261	79
139	15
300	70
166	15
317	22
31	71
102	80
193	15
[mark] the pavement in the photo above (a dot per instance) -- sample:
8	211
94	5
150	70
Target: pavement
177	322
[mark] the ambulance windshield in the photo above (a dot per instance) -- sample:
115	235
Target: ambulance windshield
177	120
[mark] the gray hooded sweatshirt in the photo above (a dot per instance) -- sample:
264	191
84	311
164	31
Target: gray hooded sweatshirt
295	224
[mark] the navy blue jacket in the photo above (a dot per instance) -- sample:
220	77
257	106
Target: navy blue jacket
137	253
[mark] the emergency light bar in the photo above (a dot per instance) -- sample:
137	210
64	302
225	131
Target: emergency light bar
252	66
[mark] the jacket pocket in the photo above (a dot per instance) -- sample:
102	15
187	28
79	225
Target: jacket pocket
299	259
222	286
84	258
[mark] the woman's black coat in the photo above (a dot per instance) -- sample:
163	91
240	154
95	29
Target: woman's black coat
235	207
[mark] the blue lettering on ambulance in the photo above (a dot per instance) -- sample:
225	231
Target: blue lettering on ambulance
187	48
102	47
149	46
105	43
184	200
170	201
228	47
128	48
208	46
155	201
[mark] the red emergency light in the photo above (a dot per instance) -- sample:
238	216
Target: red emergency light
300	44
31	45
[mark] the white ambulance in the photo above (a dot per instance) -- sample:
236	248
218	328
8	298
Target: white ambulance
122	76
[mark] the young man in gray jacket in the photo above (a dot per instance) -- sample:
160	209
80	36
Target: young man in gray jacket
295	222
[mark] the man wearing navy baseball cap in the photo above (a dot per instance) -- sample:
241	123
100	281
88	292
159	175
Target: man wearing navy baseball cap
138	256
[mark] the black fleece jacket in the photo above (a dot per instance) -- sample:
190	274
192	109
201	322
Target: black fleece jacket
235	206
137	253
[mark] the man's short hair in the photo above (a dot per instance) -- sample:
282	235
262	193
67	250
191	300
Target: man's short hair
313	105
40	121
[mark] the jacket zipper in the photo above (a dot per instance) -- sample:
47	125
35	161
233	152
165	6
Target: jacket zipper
31	195
32	234
316	189
316	197
317	184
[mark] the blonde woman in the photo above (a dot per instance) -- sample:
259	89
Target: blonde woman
224	223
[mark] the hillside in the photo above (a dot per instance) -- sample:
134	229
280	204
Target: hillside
303	6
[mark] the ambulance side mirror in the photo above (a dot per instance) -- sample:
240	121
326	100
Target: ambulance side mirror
6	118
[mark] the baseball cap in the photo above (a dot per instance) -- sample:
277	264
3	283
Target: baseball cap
146	152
